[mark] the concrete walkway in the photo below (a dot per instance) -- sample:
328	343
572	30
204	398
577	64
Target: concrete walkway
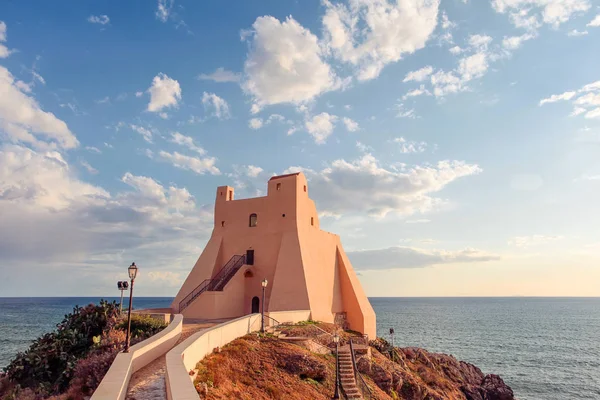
149	382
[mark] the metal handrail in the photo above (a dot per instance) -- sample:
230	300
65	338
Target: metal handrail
273	319
214	284
360	382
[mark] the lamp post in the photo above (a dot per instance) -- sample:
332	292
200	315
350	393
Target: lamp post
392	335
132	270
264	284
122	285
336	339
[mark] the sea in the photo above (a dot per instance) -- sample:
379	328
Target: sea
543	348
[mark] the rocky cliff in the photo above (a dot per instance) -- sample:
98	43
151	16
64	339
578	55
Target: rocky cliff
266	367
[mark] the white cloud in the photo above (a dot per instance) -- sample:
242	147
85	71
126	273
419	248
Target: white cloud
253	171
276	117
532	240
595	113
2	31
363	185
320	126
417	221
56	224
255	123
163	10
285	64
455	50
221	75
595	22
585	100
404	113
146	133
446	23
139	94
589	178
351	125
410	146
88	167
577	111
411	257
419	75
215	105
255	109
4	52
369	34
474	66
417	92
198	165
23	121
99	19
186	141
576	33
524	13
93	149
514	42
558	97
164	93
480	42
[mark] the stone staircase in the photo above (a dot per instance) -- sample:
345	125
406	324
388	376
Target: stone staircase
347	374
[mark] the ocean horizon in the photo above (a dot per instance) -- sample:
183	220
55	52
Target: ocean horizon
545	348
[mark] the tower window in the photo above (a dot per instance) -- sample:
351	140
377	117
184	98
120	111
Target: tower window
222	224
305	188
279	186
253	220
230	195
312	221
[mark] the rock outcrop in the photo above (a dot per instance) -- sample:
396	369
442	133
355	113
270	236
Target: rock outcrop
413	373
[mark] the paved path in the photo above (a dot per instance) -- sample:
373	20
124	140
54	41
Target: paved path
149	382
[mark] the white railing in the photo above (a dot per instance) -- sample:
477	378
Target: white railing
115	382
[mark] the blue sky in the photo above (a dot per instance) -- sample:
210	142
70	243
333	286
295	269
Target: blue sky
453	145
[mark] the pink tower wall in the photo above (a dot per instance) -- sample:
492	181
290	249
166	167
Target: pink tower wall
306	267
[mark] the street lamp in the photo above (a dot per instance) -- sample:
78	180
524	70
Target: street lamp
122	285
264	283
336	339
132	270
392	335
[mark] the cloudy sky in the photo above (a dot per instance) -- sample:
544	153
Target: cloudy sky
454	145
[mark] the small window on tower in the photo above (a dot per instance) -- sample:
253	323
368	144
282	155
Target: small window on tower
222	224
253	220
312	221
279	186
230	195
305	188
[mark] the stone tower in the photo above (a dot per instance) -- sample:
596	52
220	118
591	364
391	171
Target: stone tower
275	237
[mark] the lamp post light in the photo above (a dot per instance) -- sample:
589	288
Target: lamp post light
132	270
336	339
122	285
264	284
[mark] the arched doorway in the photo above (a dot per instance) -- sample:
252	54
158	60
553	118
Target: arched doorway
255	305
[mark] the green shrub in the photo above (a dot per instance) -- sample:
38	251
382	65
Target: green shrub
48	365
142	326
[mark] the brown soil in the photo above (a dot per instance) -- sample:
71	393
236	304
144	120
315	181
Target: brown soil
258	367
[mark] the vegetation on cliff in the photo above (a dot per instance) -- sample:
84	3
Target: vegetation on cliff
264	367
70	362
